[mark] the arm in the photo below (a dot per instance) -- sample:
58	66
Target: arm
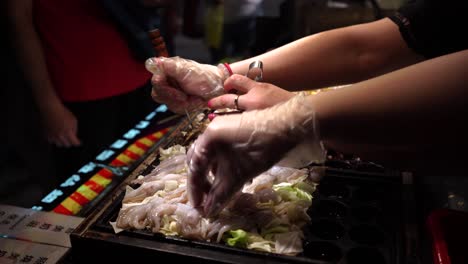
31	59
416	111
30	53
340	56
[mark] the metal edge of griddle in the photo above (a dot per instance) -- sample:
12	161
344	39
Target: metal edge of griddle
387	174
192	252
178	246
139	166
101	226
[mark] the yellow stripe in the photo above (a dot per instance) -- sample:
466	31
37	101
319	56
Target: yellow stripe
87	192
158	134
136	150
148	142
100	180
71	205
125	159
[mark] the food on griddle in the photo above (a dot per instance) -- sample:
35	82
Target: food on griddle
267	215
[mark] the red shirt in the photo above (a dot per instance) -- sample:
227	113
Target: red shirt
87	57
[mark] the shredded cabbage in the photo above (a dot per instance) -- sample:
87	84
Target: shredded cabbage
241	238
295	199
238	238
288	192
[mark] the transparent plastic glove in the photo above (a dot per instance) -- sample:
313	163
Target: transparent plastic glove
236	148
184	84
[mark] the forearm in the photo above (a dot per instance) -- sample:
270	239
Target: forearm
339	56
420	107
30	53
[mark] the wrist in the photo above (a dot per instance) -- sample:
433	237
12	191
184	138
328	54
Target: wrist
49	107
300	124
301	117
226	70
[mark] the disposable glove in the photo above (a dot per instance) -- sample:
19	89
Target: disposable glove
184	84
236	148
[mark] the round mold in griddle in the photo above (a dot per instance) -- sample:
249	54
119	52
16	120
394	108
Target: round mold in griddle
361	255
328	208
327	229
322	250
366	213
334	191
367	234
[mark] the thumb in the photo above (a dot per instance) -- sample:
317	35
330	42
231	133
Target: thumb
172	66
164	66
154	65
74	140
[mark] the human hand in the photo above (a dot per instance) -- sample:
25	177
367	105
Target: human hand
236	148
252	95
184	84
61	126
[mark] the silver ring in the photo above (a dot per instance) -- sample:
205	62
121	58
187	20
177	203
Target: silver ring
255	71
236	102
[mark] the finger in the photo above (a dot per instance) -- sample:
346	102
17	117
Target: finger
224	101
211	116
226	183
162	98
175	106
161	87
174	67
73	138
239	83
154	65
198	164
63	138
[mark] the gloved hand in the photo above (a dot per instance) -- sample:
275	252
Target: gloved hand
185	84
253	95
236	148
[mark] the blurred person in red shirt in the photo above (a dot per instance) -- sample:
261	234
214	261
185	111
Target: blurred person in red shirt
88	84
